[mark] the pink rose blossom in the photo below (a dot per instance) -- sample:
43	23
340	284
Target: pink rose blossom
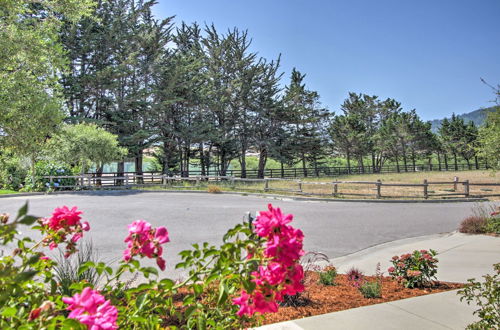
92	309
145	241
282	275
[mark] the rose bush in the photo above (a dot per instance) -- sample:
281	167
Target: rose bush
416	269
229	286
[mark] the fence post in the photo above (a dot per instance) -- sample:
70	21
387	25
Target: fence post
335	190
455	180
379	186
266	187
300	185
467	188
426	192
126	180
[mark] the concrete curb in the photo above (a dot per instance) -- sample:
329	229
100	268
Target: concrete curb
242	193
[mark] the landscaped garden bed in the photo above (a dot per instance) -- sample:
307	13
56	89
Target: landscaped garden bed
320	299
259	275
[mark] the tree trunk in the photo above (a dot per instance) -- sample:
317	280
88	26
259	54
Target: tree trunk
476	162
138	168
33	171
348	163
304	165
243	163
439	161
360	163
282	169
202	159
373	162
397	164
262	163
446	161
468	163
99	171
413	160
455	160
120	169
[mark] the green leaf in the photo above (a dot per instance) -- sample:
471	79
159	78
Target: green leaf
138	319
149	270
8	311
22	211
181	265
141	301
71	324
167	283
28	220
189	311
25	276
198	289
222	293
33	259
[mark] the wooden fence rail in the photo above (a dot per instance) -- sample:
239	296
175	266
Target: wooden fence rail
377	189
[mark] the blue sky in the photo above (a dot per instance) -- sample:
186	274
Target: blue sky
427	54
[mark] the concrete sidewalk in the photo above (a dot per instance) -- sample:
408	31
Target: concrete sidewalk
460	257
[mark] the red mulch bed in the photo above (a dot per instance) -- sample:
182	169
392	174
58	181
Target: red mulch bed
320	299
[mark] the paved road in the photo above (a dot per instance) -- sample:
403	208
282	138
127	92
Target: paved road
335	228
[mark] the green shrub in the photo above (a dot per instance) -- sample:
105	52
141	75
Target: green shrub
416	269
12	172
493	225
328	276
371	289
486	295
46	168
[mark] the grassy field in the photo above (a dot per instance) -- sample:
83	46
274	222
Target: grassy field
418	177
324	187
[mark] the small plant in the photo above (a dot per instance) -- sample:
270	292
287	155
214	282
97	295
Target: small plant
66	269
214	189
416	269
371	289
473	225
486	295
328	275
355	277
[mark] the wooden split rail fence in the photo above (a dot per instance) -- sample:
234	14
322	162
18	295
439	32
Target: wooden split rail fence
373	189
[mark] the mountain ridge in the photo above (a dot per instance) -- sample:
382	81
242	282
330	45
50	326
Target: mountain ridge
477	116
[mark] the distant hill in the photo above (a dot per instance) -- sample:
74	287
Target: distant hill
477	116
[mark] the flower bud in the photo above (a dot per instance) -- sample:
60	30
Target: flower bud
4	218
47	306
16	252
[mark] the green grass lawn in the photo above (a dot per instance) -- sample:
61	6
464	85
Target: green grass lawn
7	191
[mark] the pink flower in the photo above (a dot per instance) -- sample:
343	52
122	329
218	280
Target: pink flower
92	309
267	222
161	263
244	301
145	241
63	222
391	269
413	273
76	237
161	235
64	216
280	274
